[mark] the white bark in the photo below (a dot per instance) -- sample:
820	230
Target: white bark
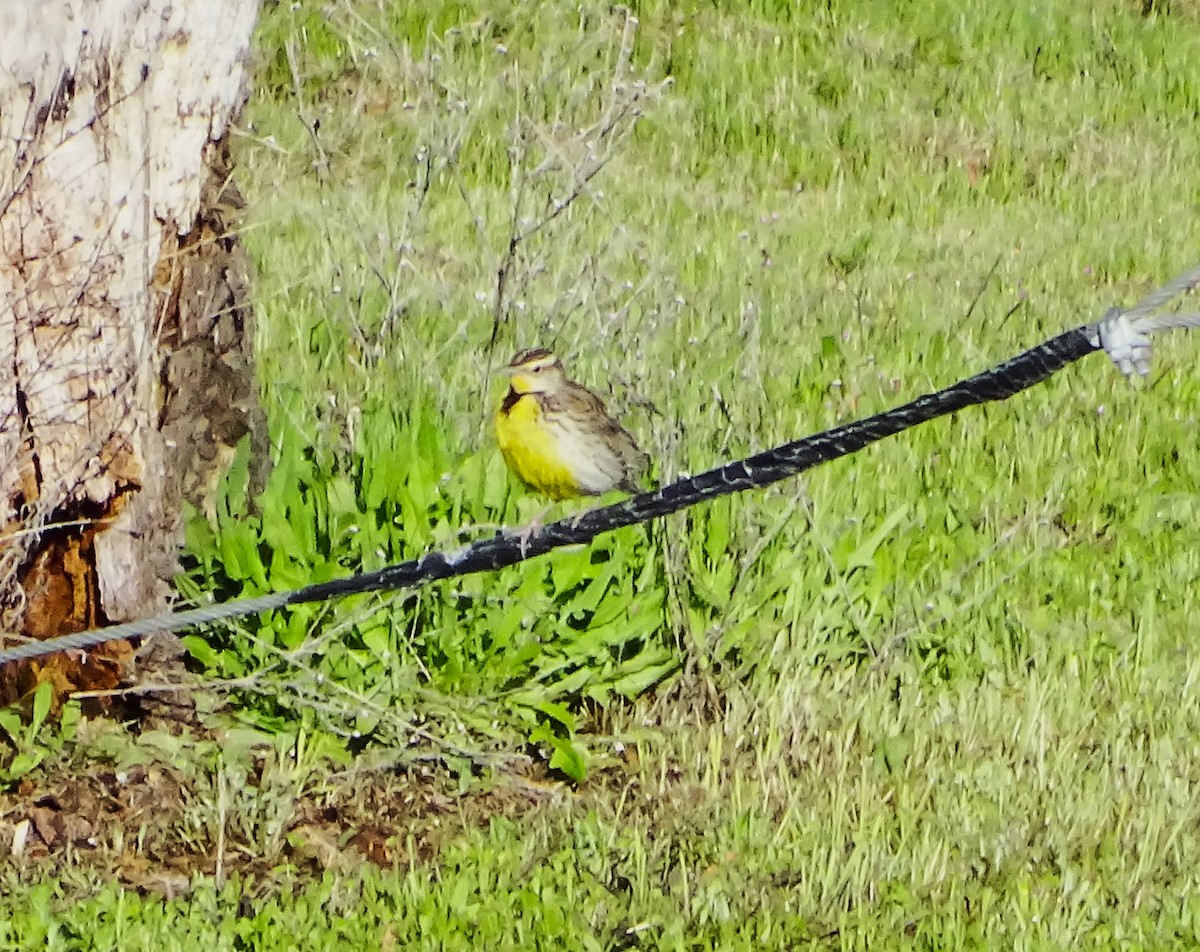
109	112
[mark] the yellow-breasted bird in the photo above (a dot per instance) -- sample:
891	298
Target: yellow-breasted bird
558	437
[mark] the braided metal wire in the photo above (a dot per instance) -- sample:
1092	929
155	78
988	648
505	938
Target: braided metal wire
504	549
155	624
999	383
763	469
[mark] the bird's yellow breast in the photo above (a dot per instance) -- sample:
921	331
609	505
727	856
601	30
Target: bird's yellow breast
532	450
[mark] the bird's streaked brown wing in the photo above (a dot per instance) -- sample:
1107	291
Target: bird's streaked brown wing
585	406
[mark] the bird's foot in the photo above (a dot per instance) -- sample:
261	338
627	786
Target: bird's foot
528	532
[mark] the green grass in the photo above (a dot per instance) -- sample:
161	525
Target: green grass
796	243
939	695
838	808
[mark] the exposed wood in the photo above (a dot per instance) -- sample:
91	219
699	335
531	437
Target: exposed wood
124	342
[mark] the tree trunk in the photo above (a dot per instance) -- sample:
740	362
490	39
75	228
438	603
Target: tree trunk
125	371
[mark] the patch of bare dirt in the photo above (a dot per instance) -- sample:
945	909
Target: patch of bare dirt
155	824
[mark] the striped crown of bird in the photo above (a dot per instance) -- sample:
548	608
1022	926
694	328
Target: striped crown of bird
558	437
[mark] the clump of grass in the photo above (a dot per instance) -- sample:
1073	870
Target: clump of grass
360	481
488	187
936	691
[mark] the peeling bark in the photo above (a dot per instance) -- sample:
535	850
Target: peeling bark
125	365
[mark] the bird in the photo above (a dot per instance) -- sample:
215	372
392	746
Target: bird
557	436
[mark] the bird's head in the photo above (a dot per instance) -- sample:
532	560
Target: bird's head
535	371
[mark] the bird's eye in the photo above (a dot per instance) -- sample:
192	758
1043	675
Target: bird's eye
537	369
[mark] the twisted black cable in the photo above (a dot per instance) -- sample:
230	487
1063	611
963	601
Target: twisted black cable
762	469
999	383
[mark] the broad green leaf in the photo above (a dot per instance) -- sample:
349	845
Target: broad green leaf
569	757
41	706
200	649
